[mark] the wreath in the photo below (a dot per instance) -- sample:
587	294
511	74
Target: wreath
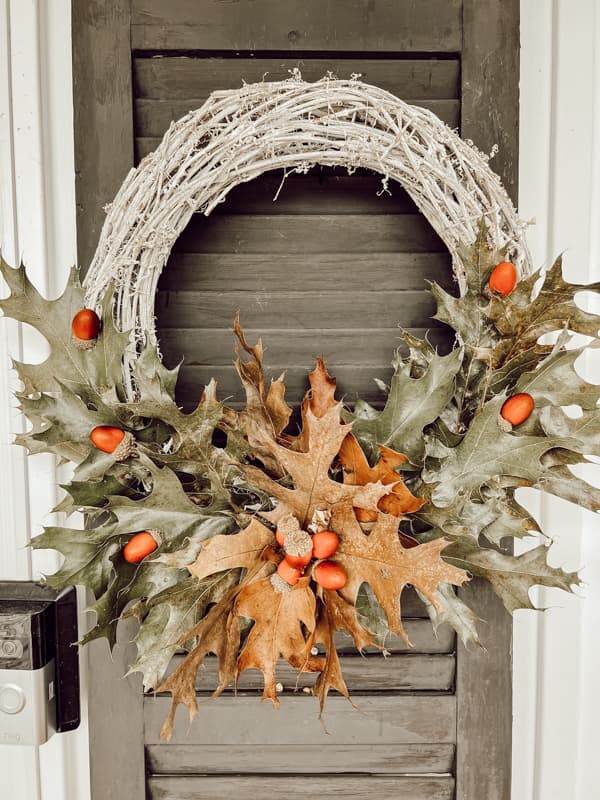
265	542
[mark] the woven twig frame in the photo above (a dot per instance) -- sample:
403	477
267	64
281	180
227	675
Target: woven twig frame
291	125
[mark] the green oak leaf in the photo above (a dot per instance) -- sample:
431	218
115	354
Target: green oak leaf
585	429
523	317
556	382
486	452
97	368
412	404
62	423
510	576
166	618
452	611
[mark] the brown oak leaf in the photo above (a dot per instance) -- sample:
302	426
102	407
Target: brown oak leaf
380	560
357	472
229	551
219	633
283	627
313	488
266	413
319	398
336	614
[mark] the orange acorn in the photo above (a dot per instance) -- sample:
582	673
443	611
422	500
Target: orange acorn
517	408
109	439
288	573
325	544
330	575
85	326
503	278
279	535
139	546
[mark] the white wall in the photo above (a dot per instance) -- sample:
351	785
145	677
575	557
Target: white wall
557	655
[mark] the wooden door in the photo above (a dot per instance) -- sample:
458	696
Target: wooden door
332	268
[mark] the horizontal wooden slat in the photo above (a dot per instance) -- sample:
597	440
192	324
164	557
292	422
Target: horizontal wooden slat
372	673
299	788
392	719
381	25
251	272
182	78
153	117
397	759
323	190
309	233
215	347
297	310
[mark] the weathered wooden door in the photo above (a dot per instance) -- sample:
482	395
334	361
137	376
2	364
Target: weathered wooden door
330	267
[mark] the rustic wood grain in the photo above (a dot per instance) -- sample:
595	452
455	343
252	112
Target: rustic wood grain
103	116
265	788
309	233
115	720
250	272
181	78
334	759
370	673
294	310
323	190
490	108
490	83
367	346
395	719
432	26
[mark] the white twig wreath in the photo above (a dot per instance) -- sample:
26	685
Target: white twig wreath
291	125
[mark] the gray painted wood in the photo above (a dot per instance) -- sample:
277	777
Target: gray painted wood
215	272
182	78
293	310
301	787
102	106
215	347
115	719
309	234
393	719
379	759
372	673
377	25
490	81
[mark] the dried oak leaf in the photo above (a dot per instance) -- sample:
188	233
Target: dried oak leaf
319	399
357	472
219	633
283	627
380	560
336	614
266	413
313	488
224	552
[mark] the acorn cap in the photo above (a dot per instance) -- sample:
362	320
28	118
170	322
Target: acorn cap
279	584
287	525
83	344
297	543
125	448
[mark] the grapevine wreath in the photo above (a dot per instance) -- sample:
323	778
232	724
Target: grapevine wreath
267	542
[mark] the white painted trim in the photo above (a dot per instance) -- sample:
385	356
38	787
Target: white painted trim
37	224
557	654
